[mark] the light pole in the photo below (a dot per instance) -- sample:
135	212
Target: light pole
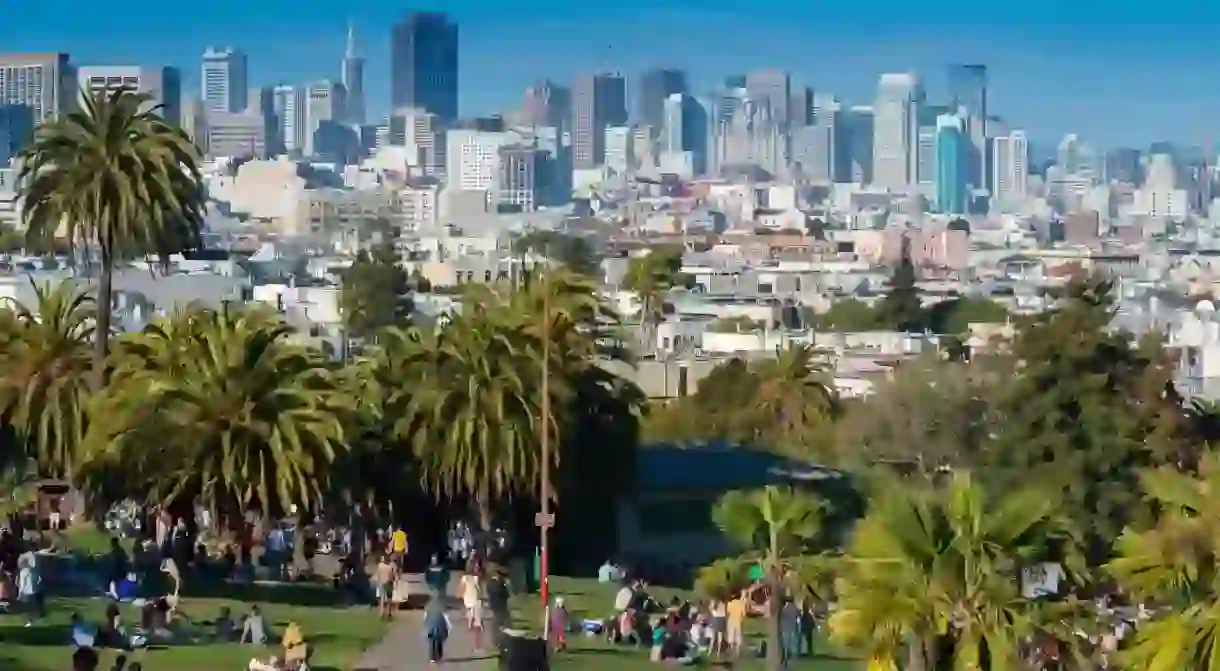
545	519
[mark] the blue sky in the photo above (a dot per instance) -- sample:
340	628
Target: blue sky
1115	73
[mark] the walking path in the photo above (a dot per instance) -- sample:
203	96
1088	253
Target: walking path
404	647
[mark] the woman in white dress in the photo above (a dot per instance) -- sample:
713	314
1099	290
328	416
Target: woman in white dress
472	599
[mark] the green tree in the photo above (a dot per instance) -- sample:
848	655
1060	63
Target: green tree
849	315
779	528
901	309
651	277
1175	562
936	571
1088	410
45	359
376	293
222	406
929	415
956	315
573	251
118	179
796	401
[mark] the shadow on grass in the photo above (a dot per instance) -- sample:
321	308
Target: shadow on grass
285	594
37	635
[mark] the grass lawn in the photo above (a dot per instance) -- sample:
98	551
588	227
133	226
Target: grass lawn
587	599
337	633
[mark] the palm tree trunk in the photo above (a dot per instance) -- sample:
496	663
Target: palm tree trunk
104	297
775	605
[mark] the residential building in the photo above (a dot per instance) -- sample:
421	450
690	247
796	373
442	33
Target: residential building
424	65
599	100
224	80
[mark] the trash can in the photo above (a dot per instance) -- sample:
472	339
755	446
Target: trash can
522	652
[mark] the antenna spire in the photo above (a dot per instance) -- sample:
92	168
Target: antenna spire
350	52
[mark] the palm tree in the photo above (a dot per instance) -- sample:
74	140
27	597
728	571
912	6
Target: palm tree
472	412
777	525
651	277
1176	563
796	397
114	177
220	405
937	568
44	382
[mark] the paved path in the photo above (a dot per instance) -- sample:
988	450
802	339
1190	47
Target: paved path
404	647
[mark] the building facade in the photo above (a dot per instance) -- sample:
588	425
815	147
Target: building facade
224	80
599	100
424	65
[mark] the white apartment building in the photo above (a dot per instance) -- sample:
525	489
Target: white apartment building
473	159
164	84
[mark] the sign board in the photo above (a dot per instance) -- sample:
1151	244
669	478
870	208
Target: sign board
544	520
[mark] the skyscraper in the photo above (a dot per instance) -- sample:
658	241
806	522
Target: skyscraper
224	81
290	113
424	65
896	131
163	84
771	88
1010	170
40	81
686	129
951	168
598	100
968	98
548	104
353	79
656	85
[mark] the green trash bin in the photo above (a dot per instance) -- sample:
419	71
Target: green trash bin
756	572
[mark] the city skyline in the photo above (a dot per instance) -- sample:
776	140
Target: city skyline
1040	80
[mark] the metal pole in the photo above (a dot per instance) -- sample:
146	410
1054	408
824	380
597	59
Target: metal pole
544	561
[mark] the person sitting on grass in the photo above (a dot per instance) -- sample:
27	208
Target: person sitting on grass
273	664
296	650
111	633
224	629
254	628
83	635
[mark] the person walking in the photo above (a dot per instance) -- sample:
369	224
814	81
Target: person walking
471	586
436	628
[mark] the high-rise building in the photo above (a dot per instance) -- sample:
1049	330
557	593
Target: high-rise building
1010	169
548	104
521	182
353	79
687	126
163	84
16	128
224	80
599	100
656	86
854	145
473	159
896	131
424	65
951	168
323	117
802	107
968	99
291	103
773	89
41	81
236	134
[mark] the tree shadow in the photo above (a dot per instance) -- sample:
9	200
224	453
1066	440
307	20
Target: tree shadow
285	593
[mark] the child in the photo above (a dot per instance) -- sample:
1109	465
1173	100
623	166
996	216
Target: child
559	624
